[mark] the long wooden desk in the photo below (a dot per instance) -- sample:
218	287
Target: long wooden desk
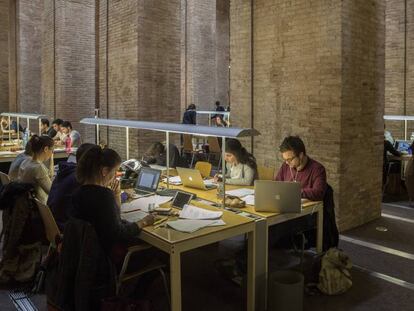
174	243
9	156
265	221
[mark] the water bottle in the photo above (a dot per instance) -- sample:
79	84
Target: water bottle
68	144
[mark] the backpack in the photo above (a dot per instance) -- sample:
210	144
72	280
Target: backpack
334	276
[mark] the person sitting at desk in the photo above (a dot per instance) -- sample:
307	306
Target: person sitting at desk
33	171
389	148
190	115
7	128
63	186
72	138
97	200
157	154
57	126
241	167
46	129
299	167
15	165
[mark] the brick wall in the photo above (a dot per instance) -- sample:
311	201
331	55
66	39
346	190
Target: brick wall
29	57
4	55
305	57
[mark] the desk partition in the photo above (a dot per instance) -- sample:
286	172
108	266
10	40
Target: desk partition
210	113
27	116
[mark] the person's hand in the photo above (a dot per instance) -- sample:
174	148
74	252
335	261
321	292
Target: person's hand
146	221
115	186
217	178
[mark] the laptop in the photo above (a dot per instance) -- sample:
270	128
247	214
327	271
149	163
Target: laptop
277	196
192	178
402	145
147	181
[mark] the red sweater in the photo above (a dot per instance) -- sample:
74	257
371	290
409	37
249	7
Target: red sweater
312	179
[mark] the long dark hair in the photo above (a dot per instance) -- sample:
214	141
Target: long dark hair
38	143
234	146
93	160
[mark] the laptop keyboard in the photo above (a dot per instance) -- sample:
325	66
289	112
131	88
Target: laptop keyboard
142	192
167	192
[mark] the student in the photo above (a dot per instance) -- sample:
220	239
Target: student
15	165
63	186
12	128
56	124
299	167
72	137
97	200
46	130
241	167
157	154
190	115
33	171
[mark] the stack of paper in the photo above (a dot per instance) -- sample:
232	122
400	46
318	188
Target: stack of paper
133	216
143	203
196	213
189	226
174	180
249	199
242	192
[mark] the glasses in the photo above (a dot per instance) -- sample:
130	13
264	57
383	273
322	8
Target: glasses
289	160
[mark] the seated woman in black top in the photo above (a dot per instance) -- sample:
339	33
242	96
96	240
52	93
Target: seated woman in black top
98	204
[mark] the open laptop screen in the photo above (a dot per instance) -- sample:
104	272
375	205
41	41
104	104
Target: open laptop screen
148	179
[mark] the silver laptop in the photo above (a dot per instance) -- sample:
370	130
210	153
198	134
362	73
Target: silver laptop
277	196
147	181
192	178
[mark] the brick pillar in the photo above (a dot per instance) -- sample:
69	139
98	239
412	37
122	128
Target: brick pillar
139	67
4	54
29	38
318	73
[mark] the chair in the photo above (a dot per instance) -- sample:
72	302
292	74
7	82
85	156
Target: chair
4	178
265	173
204	168
188	148
214	148
51	229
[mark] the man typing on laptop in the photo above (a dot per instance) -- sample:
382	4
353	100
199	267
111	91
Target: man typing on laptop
298	167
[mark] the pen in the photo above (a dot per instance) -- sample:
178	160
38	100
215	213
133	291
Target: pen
159	222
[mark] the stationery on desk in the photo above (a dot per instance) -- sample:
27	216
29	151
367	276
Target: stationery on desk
192	212
143	203
249	199
242	192
174	180
133	216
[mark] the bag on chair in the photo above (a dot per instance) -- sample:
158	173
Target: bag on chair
334	277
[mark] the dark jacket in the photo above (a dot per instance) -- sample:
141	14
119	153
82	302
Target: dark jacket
60	196
175	158
190	117
81	274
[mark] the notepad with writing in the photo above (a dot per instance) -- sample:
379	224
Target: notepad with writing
143	203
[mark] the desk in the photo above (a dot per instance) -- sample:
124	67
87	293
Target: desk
9	156
262	234
174	243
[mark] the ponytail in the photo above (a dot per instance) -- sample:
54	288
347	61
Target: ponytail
93	160
38	143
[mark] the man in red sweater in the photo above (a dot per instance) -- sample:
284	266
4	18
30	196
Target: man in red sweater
298	167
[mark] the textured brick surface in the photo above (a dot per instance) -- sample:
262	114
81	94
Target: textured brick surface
4	55
317	74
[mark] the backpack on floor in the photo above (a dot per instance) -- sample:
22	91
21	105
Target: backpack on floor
334	277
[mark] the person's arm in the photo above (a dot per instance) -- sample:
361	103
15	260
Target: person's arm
317	191
245	180
279	175
390	148
43	179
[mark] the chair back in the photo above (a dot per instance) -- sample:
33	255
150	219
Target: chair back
49	222
213	145
4	178
204	168
187	143
265	173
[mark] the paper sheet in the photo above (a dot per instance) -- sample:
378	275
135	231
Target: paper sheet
240	192
249	199
189	226
174	180
133	216
193	212
142	203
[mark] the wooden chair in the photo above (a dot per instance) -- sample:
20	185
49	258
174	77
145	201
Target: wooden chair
188	148
214	148
204	168
265	173
4	178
